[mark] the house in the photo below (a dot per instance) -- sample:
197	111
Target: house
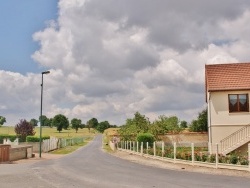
227	97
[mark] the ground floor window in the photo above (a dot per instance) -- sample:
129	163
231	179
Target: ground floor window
238	103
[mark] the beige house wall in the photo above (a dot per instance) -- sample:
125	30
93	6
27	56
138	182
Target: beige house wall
221	121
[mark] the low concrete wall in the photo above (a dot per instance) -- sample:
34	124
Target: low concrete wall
184	139
21	152
35	145
112	145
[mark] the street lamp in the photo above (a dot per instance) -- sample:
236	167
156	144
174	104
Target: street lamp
40	140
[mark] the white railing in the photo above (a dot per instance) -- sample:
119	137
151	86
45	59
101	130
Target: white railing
142	149
235	138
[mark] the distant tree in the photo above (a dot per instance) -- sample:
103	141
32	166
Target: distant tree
46	122
60	122
2	120
34	122
82	126
76	123
183	124
93	123
200	124
102	126
24	129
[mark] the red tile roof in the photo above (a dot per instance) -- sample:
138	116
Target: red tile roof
224	77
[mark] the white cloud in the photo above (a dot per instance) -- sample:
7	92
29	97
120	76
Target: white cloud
109	59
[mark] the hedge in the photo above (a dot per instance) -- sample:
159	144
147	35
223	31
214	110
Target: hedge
35	138
11	137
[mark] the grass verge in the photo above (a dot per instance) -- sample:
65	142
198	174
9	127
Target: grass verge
70	149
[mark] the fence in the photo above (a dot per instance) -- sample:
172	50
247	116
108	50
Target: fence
56	143
50	144
174	154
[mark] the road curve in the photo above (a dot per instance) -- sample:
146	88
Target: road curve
91	167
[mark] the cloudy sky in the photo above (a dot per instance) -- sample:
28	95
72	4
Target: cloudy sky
109	59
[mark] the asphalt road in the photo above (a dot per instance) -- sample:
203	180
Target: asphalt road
90	167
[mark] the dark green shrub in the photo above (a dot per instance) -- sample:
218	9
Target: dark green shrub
244	160
145	137
35	138
197	156
204	157
212	158
3	136
233	159
32	139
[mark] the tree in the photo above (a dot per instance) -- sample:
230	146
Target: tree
2	120
200	124
82	126
92	123
139	124
24	129
45	121
168	124
76	123
102	126
34	122
60	122
183	124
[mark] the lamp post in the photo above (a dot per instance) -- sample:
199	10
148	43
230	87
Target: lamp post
41	121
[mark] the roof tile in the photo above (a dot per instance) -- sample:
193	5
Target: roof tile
224	77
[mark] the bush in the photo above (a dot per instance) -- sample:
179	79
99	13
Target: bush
24	129
233	159
35	138
11	137
145	137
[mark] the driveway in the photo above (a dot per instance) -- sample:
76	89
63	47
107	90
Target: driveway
91	167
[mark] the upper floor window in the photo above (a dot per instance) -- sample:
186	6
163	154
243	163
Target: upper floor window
238	103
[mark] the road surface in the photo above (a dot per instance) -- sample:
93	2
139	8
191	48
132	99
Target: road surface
90	167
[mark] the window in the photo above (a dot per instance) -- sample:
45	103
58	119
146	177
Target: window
238	103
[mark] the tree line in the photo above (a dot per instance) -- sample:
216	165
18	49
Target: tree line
140	124
129	131
25	128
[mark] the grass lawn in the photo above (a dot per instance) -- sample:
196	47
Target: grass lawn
46	131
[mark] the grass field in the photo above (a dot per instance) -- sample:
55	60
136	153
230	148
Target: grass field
46	131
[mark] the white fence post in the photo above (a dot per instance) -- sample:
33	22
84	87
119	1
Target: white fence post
147	147
174	152
192	146
130	146
141	148
162	149
134	146
216	156
137	148
249	156
154	149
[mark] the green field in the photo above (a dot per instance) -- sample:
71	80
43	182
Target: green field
46	131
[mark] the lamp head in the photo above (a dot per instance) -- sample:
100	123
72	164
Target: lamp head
46	72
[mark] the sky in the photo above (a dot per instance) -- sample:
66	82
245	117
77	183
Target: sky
109	59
